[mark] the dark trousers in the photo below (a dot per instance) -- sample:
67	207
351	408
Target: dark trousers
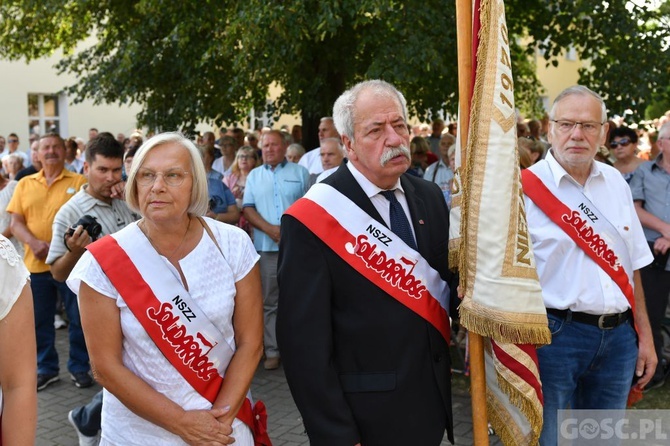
656	285
45	294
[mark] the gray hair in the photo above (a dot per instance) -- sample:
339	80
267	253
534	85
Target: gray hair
199	202
343	110
337	141
579	90
664	131
297	147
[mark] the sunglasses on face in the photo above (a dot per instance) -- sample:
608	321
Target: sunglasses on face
12	140
622	142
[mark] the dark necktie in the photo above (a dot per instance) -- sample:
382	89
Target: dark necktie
399	223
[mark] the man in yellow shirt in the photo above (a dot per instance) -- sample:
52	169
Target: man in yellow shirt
35	202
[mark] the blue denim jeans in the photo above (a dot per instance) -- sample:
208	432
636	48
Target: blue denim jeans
45	294
584	367
87	418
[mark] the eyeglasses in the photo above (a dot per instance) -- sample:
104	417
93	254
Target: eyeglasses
172	177
245	157
623	142
12	140
565	126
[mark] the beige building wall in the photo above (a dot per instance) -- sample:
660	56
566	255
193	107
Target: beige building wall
20	79
556	79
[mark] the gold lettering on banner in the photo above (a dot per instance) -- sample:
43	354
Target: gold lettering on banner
522	238
507	92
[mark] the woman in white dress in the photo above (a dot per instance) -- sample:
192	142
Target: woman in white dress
147	399
18	364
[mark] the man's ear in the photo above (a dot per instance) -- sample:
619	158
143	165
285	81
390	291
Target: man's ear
349	147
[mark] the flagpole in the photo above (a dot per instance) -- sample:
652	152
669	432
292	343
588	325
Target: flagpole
476	342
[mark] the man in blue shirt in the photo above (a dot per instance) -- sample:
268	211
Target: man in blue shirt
269	191
650	186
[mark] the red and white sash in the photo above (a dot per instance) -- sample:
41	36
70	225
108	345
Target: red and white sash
586	225
179	328
375	252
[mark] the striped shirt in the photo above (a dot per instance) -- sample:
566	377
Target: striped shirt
112	217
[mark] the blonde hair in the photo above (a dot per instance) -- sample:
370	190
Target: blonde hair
235	168
198	204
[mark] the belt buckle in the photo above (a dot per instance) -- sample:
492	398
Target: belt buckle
601	321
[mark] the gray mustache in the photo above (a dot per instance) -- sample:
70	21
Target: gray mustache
392	152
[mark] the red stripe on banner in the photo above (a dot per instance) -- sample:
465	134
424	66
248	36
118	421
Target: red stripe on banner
139	297
476	26
329	230
555	209
518	368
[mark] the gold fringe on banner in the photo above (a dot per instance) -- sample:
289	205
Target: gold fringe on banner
505	327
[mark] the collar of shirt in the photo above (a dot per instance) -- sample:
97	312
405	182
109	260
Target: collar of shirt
282	164
558	172
368	187
657	162
63	173
380	203
88	201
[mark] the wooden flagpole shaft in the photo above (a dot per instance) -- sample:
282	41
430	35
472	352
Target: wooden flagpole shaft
465	79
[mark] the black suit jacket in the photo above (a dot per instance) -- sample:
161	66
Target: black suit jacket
361	366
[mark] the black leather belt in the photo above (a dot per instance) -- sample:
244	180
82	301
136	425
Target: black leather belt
604	321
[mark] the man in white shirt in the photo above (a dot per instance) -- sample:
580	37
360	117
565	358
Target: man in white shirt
332	155
593	317
440	173
312	159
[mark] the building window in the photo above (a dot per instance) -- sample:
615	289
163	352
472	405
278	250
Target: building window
46	113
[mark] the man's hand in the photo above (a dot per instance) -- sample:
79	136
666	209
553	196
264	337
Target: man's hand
40	248
118	190
274	233
646	361
78	241
661	245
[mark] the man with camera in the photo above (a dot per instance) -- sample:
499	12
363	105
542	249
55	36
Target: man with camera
96	209
36	199
650	185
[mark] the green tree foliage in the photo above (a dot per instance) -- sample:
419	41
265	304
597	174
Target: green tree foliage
213	60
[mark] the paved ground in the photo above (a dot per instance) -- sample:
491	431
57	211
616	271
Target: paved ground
284	421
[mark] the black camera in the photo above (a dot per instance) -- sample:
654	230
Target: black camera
90	225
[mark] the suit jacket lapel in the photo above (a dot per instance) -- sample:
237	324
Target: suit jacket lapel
417	210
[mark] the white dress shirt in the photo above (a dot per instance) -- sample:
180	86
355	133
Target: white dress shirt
570	279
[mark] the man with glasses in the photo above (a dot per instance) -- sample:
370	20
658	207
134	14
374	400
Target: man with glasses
13	147
651	190
589	248
623	144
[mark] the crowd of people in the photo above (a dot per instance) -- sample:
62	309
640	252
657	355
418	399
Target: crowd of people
181	264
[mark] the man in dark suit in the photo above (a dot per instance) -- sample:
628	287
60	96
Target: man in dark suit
366	364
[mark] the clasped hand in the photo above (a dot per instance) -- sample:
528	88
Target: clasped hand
206	427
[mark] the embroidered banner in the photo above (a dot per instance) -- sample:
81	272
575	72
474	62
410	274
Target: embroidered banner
375	252
502	294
